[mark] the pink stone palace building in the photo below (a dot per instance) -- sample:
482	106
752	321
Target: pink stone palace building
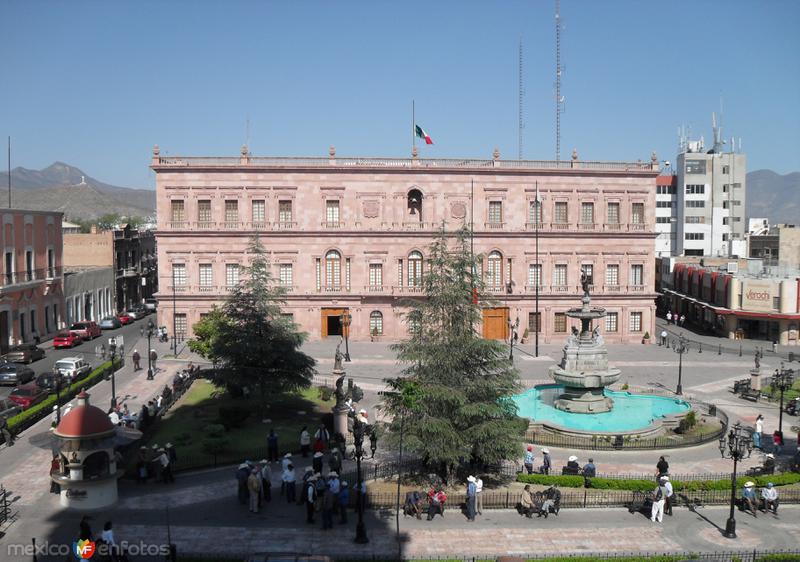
349	236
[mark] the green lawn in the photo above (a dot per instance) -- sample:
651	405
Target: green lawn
186	424
790	394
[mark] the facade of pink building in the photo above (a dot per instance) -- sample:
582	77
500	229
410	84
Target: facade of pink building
350	235
31	284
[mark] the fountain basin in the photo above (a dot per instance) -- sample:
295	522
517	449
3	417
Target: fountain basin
632	413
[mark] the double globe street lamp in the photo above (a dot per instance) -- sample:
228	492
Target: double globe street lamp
360	430
112	348
736	445
680	348
783	379
346	320
149	332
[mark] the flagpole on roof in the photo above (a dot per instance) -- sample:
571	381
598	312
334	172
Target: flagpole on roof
413	126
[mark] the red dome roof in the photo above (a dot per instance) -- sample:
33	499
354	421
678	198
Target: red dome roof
84	420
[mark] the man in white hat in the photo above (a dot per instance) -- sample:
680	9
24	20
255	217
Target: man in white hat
334	484
572	465
316	462
471	493
266	480
749	497
668	497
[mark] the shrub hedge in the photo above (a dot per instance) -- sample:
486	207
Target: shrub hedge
633	485
33	414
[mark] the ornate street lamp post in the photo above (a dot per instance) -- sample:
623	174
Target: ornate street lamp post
112	348
361	430
736	445
151	328
513	336
57	382
680	349
346	319
783	379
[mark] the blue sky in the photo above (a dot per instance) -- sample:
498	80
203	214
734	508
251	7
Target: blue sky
96	84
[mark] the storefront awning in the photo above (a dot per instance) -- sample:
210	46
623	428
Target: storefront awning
722	311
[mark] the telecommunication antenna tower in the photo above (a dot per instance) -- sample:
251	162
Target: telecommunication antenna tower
559	97
520	125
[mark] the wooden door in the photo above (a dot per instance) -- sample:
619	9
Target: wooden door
495	323
326	312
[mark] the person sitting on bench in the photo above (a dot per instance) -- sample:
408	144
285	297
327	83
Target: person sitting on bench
525	506
769	496
749	498
572	466
413	504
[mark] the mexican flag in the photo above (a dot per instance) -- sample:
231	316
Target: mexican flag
422	134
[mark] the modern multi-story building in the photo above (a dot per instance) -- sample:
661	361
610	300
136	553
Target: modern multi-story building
348	237
666	214
711	201
31	292
779	246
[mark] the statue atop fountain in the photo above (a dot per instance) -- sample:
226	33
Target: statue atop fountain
584	369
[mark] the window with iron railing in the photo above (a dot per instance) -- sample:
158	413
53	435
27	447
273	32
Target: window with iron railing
284	212
375	275
232	275
333	270
588	270
494	267
560	212
611	322
206	275
181	325
612	213
204	211
637	274
560	275
587	213
535	322
179	274
231	211
635	323
259	211
637	213
495	212
559	322
415	269
285	274
534	274
178	210
612	274
332	212
535	212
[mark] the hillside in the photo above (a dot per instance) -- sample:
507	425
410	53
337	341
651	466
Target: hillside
774	196
61	187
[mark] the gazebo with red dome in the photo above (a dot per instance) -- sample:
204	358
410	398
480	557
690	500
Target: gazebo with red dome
85	441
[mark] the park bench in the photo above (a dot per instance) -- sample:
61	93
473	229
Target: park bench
570	471
761	470
750	394
642	502
742	385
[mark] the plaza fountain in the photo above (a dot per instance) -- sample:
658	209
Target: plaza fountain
580	402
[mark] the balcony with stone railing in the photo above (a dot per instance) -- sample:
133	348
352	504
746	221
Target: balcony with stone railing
333	225
491	225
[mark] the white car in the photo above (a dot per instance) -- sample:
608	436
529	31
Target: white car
73	367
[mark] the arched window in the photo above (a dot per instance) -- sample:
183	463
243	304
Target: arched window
415	204
333	269
494	270
415	269
375	323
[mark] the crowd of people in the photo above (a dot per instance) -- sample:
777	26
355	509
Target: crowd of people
156	463
573	467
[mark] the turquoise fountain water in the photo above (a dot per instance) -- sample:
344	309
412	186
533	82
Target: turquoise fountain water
631	412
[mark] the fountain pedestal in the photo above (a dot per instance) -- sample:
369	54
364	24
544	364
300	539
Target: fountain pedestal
584	369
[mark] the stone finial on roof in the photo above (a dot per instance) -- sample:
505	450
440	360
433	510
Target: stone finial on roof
156	150
574	153
654	158
414	152
244	150
332	151
496	153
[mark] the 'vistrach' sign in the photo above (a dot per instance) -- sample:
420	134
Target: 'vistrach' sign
758	296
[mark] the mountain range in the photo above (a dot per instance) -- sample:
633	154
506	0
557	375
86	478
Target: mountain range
61	187
65	188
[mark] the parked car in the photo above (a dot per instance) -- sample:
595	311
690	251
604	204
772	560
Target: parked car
8	408
14	373
151	304
136	312
47	381
66	339
74	368
110	323
25	353
125	318
86	330
27	395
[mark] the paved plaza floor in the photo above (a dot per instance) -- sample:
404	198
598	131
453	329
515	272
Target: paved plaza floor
205	517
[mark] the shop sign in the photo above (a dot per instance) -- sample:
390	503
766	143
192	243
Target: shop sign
757	296
76	494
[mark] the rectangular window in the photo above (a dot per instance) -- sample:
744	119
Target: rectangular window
560	323
180	325
535	212
726	169
613	213
695	188
560	214
663	220
665	190
560	275
399	273
495	212
637	213
636	322
612	274
204	212
728	220
734	203
637	274
285	274
694	236
332	212
665	204
588	269
776	303
695	204
28	265
179	274
611	321
695	220
259	211
534	274
534	322
178	210
206	275
285	212
376	323
231	211
232	275
587	213
319	274
347	274
375	275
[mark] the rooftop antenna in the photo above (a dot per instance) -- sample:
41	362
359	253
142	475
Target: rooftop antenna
717	130
520	125
559	97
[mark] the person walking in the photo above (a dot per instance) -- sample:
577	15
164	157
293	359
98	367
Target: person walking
344	502
546	461
757	431
266	480
254	490
683	320
659	497
242	474
272	446
471	498
329	501
777	442
668	495
335	460
305	441
153	358
669	317
662	467
479	495
316	462
166	467
85	532
528	461
310	496
321	438
5	431
289	479
663	337
136	359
